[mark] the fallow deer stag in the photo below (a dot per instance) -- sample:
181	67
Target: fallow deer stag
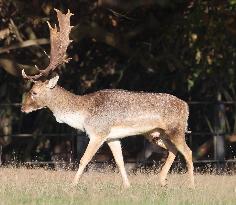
109	115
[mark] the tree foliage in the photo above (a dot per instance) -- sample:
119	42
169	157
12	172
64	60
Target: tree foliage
186	48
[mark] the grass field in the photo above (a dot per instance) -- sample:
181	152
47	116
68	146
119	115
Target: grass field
39	186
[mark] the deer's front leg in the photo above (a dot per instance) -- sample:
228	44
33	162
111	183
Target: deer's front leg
91	149
115	147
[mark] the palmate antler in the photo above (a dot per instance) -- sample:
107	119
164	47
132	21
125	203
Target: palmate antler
59	42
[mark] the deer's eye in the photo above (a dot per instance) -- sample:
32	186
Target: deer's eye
33	93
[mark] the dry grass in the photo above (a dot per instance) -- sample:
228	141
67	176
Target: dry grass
39	186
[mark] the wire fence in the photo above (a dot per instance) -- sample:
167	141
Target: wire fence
213	142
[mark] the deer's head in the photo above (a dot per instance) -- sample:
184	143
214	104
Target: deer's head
42	87
36	98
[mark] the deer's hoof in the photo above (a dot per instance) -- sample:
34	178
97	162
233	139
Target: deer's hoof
163	182
74	183
126	185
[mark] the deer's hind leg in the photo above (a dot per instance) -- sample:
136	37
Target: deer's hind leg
159	139
183	148
177	137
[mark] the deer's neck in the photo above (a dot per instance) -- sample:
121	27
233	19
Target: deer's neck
67	107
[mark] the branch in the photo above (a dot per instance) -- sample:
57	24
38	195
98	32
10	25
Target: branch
126	5
28	43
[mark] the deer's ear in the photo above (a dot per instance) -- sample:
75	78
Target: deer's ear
53	82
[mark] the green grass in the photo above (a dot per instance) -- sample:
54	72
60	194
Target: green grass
39	186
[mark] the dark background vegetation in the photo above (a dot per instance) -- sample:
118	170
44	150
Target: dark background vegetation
185	48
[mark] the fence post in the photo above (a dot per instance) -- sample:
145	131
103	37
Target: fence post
0	155
219	141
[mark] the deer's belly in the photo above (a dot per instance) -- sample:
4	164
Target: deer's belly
121	132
